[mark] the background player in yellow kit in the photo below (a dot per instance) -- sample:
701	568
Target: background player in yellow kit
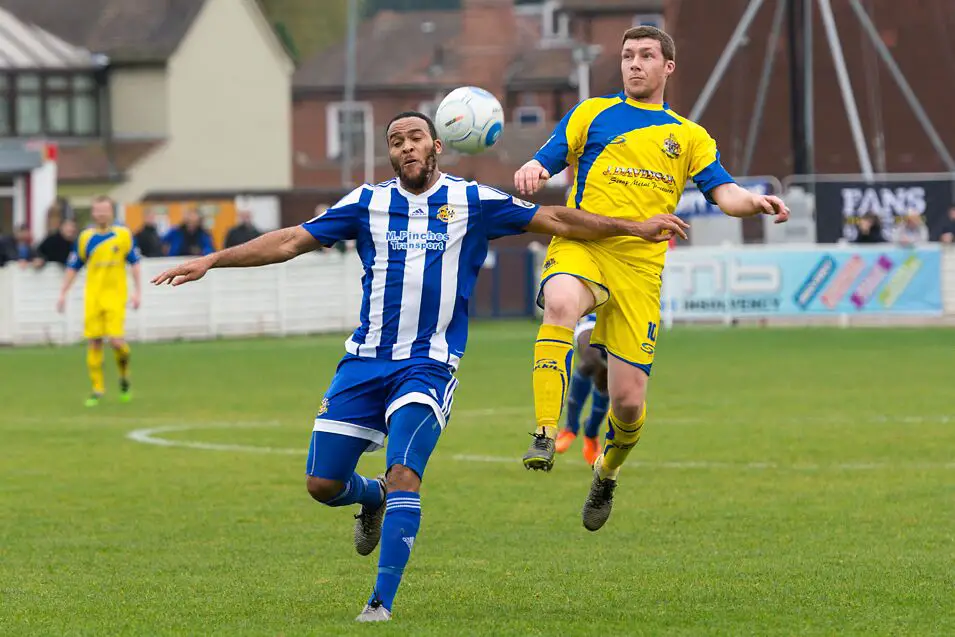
629	152
105	249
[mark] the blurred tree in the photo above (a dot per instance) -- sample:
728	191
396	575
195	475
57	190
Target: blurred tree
307	26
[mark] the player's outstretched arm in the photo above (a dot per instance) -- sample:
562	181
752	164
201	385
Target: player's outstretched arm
576	224
68	279
277	246
739	202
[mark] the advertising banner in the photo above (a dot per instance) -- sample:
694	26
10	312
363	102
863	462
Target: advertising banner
806	281
840	204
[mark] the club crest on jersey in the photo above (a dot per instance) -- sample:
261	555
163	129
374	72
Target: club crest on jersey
323	408
671	147
446	213
549	263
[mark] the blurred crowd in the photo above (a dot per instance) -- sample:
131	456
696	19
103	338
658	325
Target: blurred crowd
910	230
189	238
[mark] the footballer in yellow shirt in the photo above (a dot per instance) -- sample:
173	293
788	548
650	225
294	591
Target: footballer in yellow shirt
106	250
631	156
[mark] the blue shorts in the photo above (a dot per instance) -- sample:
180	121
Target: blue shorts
355	414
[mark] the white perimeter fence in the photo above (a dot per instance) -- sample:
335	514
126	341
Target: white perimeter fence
320	292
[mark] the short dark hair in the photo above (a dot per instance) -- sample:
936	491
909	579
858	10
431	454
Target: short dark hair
667	45
419	115
105	199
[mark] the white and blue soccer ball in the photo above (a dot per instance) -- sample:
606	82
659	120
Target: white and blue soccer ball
469	120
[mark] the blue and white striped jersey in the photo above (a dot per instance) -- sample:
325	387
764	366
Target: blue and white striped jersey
422	255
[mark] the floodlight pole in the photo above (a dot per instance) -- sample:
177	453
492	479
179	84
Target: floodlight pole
347	149
736	40
845	86
807	88
904	87
757	119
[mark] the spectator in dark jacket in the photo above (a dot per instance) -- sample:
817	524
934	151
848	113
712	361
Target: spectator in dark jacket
947	234
242	232
24	249
8	249
189	239
57	246
870	229
148	239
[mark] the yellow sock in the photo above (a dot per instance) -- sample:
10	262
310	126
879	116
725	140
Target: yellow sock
122	360
94	362
553	353
621	438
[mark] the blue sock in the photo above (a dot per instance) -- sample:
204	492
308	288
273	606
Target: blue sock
599	404
360	490
576	397
398	532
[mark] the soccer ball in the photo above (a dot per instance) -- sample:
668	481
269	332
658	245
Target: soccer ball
469	120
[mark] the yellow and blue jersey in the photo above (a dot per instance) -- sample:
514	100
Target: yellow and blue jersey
631	160
105	255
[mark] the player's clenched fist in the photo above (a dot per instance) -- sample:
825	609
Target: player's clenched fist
660	228
530	177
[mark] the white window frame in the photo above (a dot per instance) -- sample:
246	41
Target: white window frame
653	19
536	110
563	23
333	142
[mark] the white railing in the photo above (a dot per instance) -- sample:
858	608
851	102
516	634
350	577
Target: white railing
321	293
312	294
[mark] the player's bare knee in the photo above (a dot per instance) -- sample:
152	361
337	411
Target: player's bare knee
322	489
566	299
401	478
627	406
95	343
117	343
561	310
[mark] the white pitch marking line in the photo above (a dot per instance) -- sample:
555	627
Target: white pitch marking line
703	464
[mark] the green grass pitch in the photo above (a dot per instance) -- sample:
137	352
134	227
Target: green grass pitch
789	482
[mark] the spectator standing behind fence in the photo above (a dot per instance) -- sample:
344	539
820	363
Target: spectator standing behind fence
870	229
189	239
947	234
8	249
24	246
148	240
243	231
911	231
57	246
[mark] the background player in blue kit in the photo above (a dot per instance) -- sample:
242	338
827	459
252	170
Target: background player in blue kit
589	379
422	239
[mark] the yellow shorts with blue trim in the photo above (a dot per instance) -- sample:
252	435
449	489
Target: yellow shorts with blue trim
627	299
103	322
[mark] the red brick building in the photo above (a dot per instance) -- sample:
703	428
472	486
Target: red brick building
523	54
919	36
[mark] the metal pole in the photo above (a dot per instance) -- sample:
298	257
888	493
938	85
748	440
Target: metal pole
808	105
797	82
832	34
757	120
348	141
907	91
732	46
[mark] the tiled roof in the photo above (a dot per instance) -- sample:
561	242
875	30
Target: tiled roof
90	161
27	46
124	30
